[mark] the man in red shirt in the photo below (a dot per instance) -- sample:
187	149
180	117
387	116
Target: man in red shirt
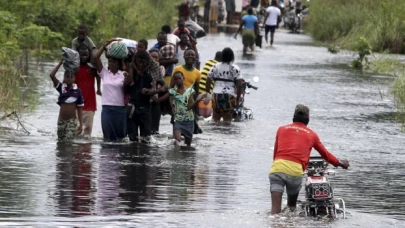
85	78
292	150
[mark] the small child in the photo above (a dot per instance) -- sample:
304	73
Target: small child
82	39
182	102
70	99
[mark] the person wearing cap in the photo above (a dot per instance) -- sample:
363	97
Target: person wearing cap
292	150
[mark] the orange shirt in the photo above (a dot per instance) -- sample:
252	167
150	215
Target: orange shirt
295	141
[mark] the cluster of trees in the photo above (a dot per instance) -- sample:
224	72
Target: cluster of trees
39	28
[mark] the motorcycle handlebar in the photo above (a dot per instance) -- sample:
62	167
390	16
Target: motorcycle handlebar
250	86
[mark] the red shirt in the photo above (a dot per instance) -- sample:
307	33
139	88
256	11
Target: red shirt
85	81
295	141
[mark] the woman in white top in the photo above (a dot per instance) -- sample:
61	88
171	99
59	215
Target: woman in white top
113	114
227	87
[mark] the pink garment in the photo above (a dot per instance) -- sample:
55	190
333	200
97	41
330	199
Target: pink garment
176	31
113	88
245	3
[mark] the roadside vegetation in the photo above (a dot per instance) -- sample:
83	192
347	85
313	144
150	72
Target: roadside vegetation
34	31
364	27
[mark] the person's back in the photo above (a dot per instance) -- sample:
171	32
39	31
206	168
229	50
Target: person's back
250	21
294	143
274	13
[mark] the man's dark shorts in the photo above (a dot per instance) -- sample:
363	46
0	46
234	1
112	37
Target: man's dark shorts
270	28
280	180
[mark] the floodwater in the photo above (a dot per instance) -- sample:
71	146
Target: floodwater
224	181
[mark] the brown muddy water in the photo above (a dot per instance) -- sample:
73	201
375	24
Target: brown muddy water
223	182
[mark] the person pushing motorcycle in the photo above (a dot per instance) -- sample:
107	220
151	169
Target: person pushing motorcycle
292	150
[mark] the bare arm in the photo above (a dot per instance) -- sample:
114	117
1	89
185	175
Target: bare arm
240	26
99	64
165	62
196	88
80	115
192	102
208	85
163	98
53	74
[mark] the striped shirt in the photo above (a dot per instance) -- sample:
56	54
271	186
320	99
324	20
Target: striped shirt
206	69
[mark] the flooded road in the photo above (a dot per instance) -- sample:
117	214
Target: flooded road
224	182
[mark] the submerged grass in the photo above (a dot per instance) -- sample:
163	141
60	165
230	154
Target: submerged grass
342	23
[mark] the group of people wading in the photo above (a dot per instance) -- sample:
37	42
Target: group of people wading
166	79
150	82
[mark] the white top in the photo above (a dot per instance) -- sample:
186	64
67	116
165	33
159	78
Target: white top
225	71
173	39
113	87
273	12
180	56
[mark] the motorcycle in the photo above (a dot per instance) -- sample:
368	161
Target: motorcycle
292	20
319	195
242	113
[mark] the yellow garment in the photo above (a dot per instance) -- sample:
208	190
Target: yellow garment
168	79
206	69
287	167
190	77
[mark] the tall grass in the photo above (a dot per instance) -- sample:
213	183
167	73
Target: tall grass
381	22
13	92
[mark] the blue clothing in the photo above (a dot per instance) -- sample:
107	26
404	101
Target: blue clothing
114	122
250	21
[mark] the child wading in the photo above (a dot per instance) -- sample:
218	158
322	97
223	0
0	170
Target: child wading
182	101
70	99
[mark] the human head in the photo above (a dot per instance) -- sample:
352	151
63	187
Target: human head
142	45
189	56
227	55
142	59
178	78
114	64
84	54
166	29
181	24
162	38
301	114
154	54
273	3
218	56
81	32
183	37
250	10
69	78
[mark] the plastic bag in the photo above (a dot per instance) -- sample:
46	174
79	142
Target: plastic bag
117	50
196	30
71	59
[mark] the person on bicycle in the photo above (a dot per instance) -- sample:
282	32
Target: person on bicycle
292	150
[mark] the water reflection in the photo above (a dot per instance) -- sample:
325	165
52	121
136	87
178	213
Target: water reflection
73	179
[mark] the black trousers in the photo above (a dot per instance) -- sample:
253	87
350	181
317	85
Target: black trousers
155	114
140	119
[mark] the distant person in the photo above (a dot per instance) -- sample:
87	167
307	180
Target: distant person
292	150
230	6
181	27
142	45
86	77
70	99
205	110
171	38
227	87
250	26
168	57
82	39
272	21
